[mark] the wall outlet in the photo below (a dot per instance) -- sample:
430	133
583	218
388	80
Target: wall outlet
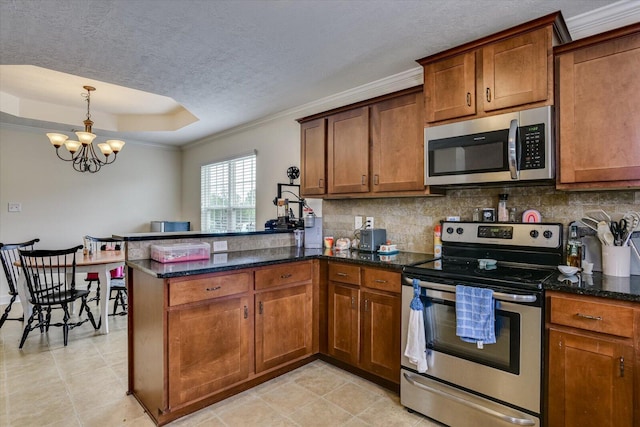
369	222
358	222
220	246
15	207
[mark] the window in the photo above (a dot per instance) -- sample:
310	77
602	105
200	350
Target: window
228	195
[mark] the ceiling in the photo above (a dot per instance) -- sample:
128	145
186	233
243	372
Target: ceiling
226	63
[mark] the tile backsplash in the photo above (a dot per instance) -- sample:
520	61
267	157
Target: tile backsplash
409	221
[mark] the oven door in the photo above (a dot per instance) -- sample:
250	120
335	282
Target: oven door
507	371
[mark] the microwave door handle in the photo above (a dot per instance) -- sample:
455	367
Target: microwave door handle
512	143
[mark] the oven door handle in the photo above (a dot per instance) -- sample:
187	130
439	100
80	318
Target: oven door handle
500	296
504	417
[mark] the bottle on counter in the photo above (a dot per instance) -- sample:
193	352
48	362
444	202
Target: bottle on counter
503	212
574	248
437	240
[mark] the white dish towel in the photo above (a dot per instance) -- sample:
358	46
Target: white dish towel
416	349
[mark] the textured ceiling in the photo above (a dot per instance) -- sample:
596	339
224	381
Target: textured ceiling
233	62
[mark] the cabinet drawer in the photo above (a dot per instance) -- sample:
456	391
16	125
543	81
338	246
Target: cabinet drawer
283	275
344	273
381	279
208	287
592	315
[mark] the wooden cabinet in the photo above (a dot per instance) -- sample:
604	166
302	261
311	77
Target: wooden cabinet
208	348
284	316
348	151
313	180
597	112
374	148
500	72
364	323
195	340
592	363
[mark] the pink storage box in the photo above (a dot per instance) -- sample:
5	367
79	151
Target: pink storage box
180	252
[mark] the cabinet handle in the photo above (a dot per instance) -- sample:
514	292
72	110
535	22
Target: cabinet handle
320	183
468	99
353	302
286	276
375	179
587	316
380	281
246	312
488	94
366	305
260	307
621	367
363	181
341	274
214	289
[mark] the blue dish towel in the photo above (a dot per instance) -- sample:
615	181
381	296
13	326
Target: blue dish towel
475	315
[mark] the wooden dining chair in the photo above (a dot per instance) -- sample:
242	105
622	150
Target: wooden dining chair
118	286
51	281
9	255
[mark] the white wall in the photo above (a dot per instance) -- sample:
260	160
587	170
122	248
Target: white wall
60	205
278	146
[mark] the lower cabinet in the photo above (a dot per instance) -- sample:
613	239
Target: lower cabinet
208	348
284	324
364	318
592	350
195	340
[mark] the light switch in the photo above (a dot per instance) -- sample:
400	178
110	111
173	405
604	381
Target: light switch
220	246
15	207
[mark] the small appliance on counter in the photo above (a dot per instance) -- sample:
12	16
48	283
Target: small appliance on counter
166	226
372	238
313	238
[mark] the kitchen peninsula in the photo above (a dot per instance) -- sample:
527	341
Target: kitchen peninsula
201	331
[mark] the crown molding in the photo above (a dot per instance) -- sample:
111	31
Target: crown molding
615	15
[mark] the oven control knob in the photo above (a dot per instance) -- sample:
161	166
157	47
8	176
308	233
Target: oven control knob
547	234
449	230
534	234
459	230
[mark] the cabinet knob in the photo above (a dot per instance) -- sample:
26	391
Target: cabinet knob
286	276
488	94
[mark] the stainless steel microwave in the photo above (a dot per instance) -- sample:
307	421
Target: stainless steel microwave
509	147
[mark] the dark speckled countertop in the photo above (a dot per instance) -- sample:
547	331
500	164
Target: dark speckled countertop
228	261
598	285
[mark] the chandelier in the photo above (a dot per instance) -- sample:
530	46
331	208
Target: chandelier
83	155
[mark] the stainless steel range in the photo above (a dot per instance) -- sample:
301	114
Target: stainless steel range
470	384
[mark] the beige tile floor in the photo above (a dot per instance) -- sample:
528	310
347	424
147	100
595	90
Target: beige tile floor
84	384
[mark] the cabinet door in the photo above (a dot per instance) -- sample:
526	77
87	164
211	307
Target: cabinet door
284	325
381	335
344	323
590	381
208	348
313	163
515	70
348	151
599	131
398	144
450	87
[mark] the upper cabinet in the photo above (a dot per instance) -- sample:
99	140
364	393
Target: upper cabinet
373	148
500	72
598	100
313	178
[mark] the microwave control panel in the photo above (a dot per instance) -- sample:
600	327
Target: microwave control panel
532	154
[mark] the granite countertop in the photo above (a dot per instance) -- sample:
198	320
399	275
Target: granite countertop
227	261
137	237
598	285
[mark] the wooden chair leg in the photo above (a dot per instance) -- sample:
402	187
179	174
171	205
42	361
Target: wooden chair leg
90	315
27	328
65	326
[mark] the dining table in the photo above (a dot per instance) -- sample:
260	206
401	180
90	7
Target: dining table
101	262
